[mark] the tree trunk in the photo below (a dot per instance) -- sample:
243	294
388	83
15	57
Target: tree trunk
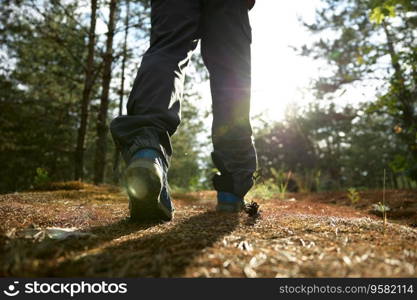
116	172
399	83
101	143
394	180
85	101
405	97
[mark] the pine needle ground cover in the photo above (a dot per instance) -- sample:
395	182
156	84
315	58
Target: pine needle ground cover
84	231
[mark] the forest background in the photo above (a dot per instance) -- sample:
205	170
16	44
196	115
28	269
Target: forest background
62	80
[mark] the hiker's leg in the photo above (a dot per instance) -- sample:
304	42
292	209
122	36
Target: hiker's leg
153	108
226	39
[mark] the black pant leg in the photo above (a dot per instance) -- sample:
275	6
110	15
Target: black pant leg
225	42
154	102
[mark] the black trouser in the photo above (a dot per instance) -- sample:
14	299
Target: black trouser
154	103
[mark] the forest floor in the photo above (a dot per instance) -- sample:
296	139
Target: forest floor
307	235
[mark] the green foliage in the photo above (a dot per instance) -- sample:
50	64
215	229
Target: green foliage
310	180
379	13
355	38
282	146
275	187
380	207
331	148
41	179
267	190
353	195
281	179
187	163
319	147
41	86
43	51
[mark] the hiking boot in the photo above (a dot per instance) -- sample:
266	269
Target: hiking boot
228	202
147	187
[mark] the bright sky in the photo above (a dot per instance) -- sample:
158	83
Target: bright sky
278	73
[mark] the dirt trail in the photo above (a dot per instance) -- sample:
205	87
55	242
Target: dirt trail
302	238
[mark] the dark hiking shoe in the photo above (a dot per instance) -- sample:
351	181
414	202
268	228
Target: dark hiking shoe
228	202
147	186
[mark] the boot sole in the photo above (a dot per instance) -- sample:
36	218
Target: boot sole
143	181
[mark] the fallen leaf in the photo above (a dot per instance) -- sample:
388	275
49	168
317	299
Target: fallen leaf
55	233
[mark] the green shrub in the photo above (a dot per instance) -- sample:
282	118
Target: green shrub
41	179
353	195
265	190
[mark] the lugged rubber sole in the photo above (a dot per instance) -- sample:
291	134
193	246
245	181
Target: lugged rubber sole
144	184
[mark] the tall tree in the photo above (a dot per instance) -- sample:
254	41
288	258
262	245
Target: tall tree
185	172
85	101
116	159
102	129
329	147
41	83
372	41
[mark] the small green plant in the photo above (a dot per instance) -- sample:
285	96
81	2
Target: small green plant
41	179
353	195
265	190
282	187
309	181
383	209
281	180
271	187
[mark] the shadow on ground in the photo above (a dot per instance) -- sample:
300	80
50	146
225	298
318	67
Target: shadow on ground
161	254
120	249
